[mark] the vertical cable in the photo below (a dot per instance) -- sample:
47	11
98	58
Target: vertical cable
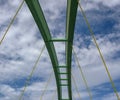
11	22
29	77
83	77
98	48
46	86
76	86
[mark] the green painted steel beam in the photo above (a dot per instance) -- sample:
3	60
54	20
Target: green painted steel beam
39	18
62	73
64	79
62	66
58	40
72	6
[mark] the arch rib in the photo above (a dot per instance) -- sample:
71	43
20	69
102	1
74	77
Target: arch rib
72	6
39	18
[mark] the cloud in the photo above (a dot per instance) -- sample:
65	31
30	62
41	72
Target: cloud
110	96
91	63
55	13
96	4
110	4
8	93
23	43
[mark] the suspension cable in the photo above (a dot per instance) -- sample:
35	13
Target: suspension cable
98	48
29	77
76	86
11	22
83	76
50	77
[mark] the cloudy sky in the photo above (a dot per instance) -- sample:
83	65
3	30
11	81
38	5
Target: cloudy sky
22	45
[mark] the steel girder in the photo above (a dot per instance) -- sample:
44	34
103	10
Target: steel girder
39	18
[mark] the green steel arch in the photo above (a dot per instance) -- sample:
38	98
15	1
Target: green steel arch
39	18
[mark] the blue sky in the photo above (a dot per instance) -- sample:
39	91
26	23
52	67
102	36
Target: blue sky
23	43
